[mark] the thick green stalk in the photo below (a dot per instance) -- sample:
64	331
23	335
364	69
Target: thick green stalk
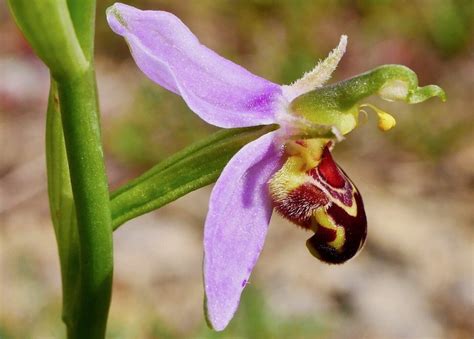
80	121
62	34
80	116
87	255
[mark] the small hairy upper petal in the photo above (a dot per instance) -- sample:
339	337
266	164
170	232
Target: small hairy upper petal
319	75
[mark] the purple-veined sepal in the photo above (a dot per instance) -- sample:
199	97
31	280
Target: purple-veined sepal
219	91
236	226
312	191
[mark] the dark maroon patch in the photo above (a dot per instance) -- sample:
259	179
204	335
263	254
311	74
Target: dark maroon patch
325	234
345	197
329	170
355	234
300	203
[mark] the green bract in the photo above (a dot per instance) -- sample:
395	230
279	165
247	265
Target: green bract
194	167
48	27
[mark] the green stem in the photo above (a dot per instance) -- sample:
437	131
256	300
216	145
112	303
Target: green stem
62	34
87	299
80	121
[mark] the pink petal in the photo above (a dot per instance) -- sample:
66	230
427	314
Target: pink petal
220	92
239	212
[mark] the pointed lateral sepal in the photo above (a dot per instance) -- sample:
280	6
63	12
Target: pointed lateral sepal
219	91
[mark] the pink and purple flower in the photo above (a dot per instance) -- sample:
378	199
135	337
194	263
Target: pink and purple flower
289	169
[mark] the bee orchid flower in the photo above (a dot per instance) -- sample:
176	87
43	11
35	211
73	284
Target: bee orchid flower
289	169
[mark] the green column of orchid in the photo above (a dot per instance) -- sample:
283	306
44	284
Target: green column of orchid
337	104
62	33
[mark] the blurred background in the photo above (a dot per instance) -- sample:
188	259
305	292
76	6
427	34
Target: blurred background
415	277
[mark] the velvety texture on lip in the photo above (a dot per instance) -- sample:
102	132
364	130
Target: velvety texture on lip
219	91
239	212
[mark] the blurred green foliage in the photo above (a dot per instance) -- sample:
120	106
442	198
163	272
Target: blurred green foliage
156	125
253	320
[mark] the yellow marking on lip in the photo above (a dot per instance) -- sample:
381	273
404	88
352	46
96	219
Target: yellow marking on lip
288	178
302	157
324	220
340	238
309	150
